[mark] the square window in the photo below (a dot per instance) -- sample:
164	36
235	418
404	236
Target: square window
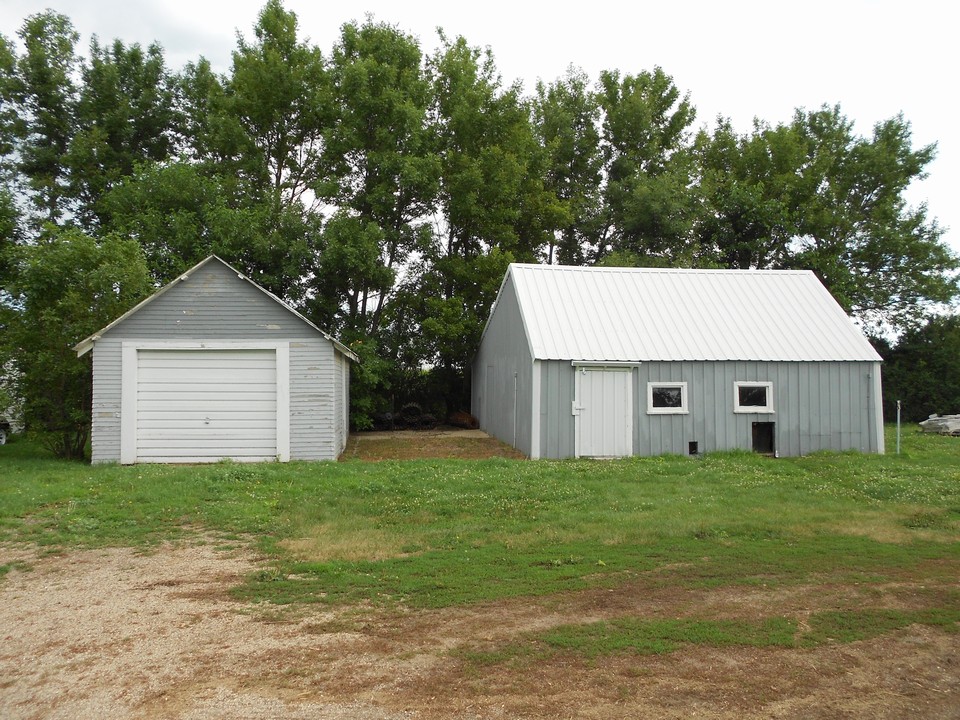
753	397
667	398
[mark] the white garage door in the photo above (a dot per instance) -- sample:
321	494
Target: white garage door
206	405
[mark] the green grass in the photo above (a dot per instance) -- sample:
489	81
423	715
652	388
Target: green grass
636	636
436	533
643	636
845	626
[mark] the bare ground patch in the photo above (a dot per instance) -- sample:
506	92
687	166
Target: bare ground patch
443	442
119	634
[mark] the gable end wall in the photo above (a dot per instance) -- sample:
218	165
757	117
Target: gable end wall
214	304
502	376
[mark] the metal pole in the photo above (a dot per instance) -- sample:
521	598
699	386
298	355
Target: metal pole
898	427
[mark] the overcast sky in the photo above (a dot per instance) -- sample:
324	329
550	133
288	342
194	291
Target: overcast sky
737	58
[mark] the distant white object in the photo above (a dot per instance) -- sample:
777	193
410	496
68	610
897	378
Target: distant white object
942	424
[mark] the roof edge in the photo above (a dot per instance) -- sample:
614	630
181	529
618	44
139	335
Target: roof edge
655	270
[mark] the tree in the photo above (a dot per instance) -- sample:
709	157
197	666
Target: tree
179	215
65	287
923	370
648	164
382	169
125	114
566	118
258	133
811	194
750	186
8	238
882	260
43	93
278	93
493	204
9	117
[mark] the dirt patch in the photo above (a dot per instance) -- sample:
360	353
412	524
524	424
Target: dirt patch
119	634
443	442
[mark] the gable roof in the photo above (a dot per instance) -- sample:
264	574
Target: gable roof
653	314
85	345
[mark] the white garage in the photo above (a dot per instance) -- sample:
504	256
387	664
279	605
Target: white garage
214	367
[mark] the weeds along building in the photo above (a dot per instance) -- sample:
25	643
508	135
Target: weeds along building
214	367
608	362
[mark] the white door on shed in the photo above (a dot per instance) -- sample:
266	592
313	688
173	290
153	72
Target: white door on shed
206	405
603	426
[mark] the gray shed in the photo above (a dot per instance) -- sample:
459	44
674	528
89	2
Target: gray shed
214	367
607	362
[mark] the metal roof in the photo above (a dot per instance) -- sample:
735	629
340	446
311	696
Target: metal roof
651	314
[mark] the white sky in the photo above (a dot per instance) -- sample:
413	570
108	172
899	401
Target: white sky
737	58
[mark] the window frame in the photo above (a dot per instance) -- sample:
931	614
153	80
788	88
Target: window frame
684	408
767	409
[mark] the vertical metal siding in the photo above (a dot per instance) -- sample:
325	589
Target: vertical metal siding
503	372
817	406
557	422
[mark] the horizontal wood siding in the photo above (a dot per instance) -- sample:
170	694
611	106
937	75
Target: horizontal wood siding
213	304
342	401
105	435
312	401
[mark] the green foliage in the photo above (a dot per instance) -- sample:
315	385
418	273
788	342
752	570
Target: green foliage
811	194
566	120
383	190
649	205
125	114
8	235
369	382
277	95
64	288
923	371
41	91
383	176
9	117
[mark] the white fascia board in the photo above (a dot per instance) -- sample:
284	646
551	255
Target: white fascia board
605	363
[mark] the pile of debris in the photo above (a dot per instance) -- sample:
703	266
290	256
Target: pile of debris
942	424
